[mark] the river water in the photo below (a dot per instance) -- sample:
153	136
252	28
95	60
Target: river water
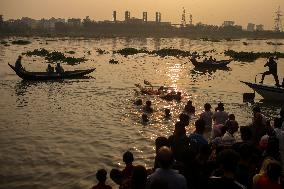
58	134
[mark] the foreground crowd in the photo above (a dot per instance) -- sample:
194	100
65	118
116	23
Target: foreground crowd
191	161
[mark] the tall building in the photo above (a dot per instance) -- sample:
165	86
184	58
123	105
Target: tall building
114	16
250	27
1	20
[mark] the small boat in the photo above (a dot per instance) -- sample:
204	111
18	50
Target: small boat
210	64
39	76
268	92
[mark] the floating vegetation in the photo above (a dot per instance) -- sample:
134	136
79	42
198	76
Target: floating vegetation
130	51
3	42
211	40
251	56
100	51
21	42
112	61
245	43
171	52
70	52
271	43
55	56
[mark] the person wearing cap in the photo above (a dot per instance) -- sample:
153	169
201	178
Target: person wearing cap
18	64
272	65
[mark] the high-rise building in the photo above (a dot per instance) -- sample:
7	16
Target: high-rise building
127	15
145	19
259	27
1	20
228	23
250	27
114	16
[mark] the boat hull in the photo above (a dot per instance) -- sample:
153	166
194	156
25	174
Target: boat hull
41	76
268	92
217	64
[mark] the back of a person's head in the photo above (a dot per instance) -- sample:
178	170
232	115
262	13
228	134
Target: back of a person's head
228	159
232	117
179	128
221	106
232	126
274	171
246	133
184	118
165	157
101	175
207	107
148	103
199	125
161	141
139	176
128	157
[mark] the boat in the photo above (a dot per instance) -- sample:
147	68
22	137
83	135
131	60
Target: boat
268	92
210	64
39	76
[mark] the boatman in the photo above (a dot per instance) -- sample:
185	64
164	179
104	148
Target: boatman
18	64
272	65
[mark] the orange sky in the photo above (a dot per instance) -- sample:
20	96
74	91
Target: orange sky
205	11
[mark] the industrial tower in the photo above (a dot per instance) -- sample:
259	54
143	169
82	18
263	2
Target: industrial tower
278	22
183	20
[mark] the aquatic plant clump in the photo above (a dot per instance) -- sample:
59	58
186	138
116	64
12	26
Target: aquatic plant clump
55	56
251	56
21	42
130	51
171	52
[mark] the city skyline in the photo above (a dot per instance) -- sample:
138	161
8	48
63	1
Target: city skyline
205	11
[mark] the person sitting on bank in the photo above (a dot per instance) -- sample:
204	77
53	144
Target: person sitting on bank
59	68
272	65
18	64
49	69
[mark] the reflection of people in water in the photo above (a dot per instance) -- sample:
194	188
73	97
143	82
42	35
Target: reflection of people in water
272	65
18	64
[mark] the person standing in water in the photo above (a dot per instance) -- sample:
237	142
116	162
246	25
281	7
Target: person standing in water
272	65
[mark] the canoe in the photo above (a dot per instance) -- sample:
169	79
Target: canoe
215	64
39	76
268	92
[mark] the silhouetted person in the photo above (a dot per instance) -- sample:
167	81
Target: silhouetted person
168	114
138	102
49	69
272	65
184	119
228	160
165	176
144	118
148	108
18	64
59	69
101	176
189	108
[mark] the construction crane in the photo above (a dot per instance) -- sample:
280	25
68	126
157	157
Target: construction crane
277	21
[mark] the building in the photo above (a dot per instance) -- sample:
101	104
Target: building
74	22
250	27
259	27
228	23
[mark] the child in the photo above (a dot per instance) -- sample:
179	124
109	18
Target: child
101	177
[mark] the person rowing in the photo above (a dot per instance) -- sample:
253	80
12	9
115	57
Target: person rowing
18	64
272	65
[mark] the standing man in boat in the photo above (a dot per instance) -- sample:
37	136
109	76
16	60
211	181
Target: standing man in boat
272	65
18	64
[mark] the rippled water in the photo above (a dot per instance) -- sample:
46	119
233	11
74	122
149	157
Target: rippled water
57	134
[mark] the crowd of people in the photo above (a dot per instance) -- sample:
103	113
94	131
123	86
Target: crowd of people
219	161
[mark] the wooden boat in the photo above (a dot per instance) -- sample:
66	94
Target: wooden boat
39	76
268	92
208	64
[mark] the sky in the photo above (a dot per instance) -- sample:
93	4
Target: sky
205	11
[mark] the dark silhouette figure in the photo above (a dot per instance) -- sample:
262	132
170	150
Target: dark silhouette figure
272	65
18	64
101	176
